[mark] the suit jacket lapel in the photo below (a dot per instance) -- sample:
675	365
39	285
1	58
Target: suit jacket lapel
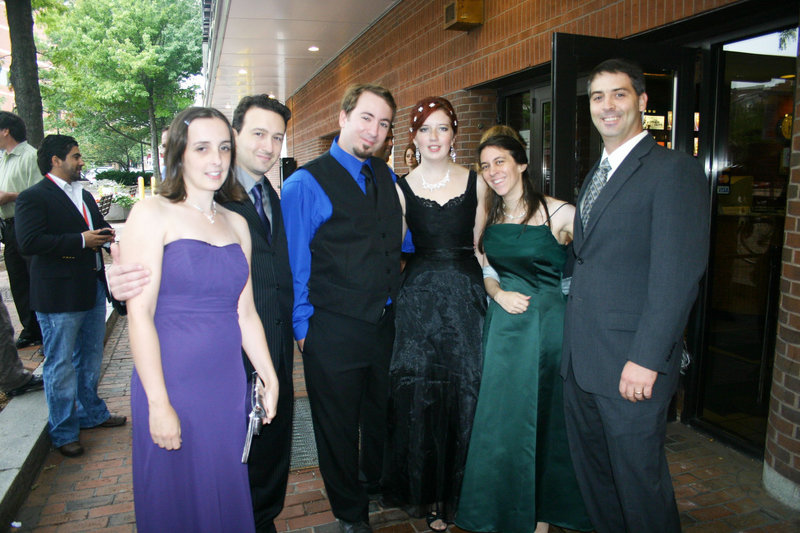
621	175
248	211
577	229
61	198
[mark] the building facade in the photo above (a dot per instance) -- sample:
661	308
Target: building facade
721	78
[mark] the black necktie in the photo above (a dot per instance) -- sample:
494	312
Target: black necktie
259	204
369	183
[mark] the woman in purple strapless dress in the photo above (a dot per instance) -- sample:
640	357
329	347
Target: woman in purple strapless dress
189	395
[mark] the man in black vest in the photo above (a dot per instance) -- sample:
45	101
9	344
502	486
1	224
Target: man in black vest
259	123
343	224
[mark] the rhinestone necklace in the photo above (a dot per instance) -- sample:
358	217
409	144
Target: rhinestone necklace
439	184
511	216
210	217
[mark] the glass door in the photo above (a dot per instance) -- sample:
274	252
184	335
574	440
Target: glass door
530	113
669	118
755	105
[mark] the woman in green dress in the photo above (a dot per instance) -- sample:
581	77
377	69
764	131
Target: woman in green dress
519	474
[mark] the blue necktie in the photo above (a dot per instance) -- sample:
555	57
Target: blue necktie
259	204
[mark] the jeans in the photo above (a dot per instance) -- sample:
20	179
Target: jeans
73	343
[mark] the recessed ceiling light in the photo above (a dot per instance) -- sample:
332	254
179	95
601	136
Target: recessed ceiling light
242	71
313	48
271	96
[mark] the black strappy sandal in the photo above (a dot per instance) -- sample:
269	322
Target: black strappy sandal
432	517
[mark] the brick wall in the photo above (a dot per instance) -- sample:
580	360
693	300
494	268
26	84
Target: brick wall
782	453
409	52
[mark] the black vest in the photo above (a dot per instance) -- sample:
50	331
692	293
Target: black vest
355	255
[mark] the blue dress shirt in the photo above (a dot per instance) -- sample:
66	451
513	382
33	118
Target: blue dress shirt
305	208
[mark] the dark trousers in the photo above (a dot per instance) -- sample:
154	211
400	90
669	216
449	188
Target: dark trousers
268	465
617	448
18	269
346	365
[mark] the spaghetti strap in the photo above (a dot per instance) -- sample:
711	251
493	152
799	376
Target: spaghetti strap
554	212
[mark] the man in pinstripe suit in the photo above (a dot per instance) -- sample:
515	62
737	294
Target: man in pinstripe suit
259	123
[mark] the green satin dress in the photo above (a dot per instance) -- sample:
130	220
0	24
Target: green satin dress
518	470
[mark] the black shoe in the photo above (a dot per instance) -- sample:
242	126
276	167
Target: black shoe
24	342
71	449
354	527
113	421
35	383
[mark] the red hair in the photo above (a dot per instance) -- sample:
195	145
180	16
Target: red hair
423	109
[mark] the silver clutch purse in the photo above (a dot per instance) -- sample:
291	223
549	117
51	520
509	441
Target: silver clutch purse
257	412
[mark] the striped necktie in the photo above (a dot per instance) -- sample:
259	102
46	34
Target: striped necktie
595	186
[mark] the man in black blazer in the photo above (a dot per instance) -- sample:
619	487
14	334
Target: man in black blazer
60	226
640	247
259	124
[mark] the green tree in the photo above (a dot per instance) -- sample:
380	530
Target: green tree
122	64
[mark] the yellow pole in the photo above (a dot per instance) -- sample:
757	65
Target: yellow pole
153	185
141	187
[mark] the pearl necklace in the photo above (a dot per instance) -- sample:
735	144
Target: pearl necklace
210	217
439	184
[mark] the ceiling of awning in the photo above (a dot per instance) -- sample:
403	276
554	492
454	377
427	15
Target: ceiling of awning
262	46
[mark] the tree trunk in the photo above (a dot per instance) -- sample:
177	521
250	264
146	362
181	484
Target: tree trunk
24	71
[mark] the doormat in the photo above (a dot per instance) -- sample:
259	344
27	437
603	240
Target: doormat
304	449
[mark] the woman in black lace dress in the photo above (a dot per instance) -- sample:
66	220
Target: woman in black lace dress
436	365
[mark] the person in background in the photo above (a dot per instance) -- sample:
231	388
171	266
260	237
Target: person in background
187	331
14	378
59	225
436	364
162	152
528	479
641	246
18	171
388	146
410	158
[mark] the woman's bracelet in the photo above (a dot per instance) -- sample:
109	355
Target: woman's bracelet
489	272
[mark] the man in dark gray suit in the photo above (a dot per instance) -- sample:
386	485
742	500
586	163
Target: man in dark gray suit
641	246
259	123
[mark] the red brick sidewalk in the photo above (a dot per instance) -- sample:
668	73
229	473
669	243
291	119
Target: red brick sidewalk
718	489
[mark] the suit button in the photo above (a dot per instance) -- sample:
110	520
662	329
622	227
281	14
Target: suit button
580	261
278	321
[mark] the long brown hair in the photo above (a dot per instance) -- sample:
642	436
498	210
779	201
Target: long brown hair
173	188
531	197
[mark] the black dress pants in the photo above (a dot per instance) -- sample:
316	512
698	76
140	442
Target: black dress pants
346	365
270	453
18	269
617	449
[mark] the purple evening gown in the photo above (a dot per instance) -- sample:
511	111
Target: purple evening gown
202	486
